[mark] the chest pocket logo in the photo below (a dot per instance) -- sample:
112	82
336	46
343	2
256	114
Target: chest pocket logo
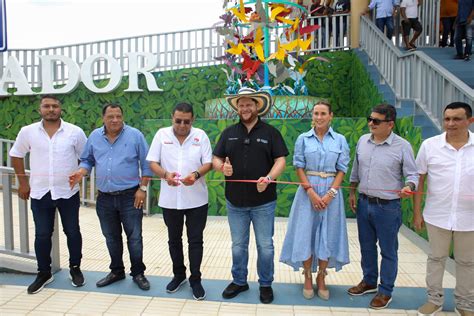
261	140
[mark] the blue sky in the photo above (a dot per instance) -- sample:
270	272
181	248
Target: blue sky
45	23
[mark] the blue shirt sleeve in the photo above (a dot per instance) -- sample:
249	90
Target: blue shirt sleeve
372	4
355	167
410	171
142	153
298	155
342	163
87	157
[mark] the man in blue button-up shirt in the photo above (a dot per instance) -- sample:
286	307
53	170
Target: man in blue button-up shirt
385	9
118	153
383	171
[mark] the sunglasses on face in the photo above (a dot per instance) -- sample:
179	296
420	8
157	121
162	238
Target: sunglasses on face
185	122
376	121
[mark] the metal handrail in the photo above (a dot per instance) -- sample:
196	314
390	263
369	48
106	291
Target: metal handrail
10	238
413	75
174	50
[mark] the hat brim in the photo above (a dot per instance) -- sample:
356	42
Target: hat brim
263	99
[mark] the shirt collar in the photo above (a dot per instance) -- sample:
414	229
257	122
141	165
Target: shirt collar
444	143
61	126
388	140
102	129
311	133
257	125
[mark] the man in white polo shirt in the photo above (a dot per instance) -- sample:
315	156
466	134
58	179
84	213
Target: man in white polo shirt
181	155
446	162
54	147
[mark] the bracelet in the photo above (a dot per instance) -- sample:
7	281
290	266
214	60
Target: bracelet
197	175
332	192
307	188
269	178
164	175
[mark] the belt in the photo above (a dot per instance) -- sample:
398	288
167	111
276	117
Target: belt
375	200
321	174
126	191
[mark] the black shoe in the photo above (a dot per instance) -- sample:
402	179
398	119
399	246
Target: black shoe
175	284
198	291
232	290
467	57
266	294
42	278
142	282
76	276
458	57
110	278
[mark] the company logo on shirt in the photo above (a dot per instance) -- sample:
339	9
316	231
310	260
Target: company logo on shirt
196	142
233	138
168	142
260	140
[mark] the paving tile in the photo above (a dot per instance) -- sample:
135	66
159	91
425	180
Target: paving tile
12	312
216	265
200	308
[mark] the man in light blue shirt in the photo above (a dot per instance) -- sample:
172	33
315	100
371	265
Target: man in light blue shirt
383	171
385	9
118	153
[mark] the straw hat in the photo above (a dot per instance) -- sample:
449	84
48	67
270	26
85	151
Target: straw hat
263	99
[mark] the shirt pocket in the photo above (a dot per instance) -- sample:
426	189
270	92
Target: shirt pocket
332	155
312	157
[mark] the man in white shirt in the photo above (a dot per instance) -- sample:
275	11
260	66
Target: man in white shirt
409	13
181	155
54	147
446	162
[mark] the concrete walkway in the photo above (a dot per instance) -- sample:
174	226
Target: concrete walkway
61	298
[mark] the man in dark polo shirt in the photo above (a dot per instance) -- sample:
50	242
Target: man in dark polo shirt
251	150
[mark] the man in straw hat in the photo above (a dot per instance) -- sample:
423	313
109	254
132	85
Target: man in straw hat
251	150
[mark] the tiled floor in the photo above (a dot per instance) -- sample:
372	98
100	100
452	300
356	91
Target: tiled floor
216	265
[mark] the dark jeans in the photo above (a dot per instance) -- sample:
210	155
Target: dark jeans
115	211
464	31
195	223
43	214
379	223
387	22
448	29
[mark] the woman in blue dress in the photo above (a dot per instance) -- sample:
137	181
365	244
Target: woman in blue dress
317	232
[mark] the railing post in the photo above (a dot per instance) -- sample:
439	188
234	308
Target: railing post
23	222
7	210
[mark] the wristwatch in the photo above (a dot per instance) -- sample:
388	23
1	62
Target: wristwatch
143	188
411	185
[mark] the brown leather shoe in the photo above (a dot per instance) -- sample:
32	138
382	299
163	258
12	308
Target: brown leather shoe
361	289
380	301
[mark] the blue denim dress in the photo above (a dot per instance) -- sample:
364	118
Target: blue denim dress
322	234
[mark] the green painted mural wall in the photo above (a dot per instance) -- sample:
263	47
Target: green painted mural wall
343	81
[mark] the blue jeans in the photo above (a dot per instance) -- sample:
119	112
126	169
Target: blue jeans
387	22
44	211
262	218
115	211
464	31
379	222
